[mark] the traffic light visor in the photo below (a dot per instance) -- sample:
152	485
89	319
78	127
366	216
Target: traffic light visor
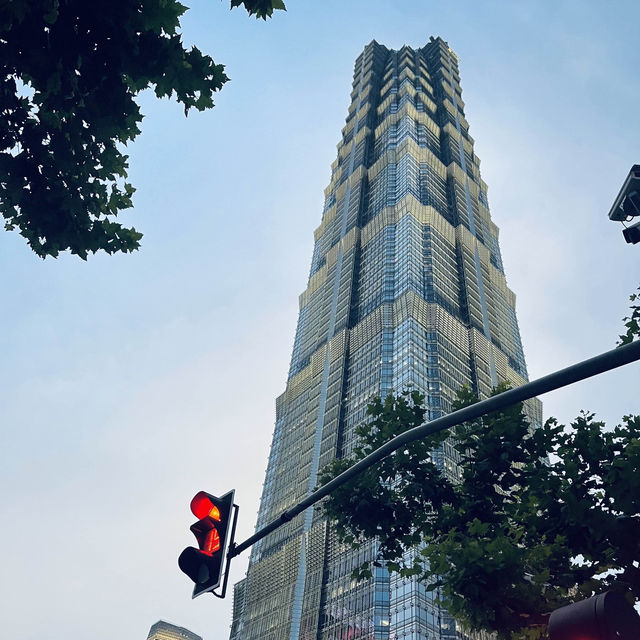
607	616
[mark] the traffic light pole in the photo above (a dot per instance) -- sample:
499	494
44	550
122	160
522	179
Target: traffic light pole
236	508
562	378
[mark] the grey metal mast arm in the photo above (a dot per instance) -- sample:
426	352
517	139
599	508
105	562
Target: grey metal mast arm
562	378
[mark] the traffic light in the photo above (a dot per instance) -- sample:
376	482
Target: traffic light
204	565
607	616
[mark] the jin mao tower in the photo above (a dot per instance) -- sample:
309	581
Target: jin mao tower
406	288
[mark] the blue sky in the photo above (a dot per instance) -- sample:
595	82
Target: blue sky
128	383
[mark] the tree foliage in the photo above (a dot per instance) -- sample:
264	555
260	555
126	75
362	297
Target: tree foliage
632	322
70	71
510	537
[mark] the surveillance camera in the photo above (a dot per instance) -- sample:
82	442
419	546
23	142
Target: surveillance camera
632	234
627	202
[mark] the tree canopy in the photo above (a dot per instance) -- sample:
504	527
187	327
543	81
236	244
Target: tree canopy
70	71
532	520
632	322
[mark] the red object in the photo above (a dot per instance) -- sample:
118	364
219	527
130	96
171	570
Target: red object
212	542
202	506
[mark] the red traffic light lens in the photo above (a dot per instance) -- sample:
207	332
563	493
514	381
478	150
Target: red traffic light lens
202	506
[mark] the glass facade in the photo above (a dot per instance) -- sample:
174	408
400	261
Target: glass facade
406	288
162	630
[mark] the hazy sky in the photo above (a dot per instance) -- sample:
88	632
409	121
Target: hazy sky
131	382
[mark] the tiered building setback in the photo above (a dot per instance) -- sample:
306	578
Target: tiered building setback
406	288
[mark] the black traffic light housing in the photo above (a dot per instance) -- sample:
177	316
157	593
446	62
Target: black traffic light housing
205	565
607	616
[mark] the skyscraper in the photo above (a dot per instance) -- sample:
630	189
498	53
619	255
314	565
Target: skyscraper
406	288
162	630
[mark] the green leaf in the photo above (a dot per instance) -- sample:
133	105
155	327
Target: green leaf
85	69
260	8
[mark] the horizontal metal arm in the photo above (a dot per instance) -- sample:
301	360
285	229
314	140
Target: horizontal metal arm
576	372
